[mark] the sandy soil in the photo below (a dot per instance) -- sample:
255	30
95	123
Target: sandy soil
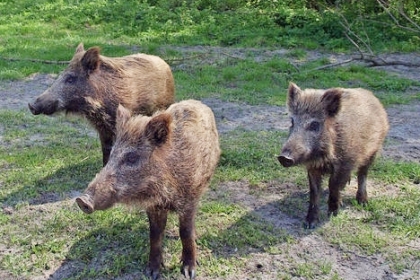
403	143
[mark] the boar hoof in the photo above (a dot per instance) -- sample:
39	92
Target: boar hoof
84	204
312	218
285	160
332	213
310	224
188	271
361	199
363	203
154	274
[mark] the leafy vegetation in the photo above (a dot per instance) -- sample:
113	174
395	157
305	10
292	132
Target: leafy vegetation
48	29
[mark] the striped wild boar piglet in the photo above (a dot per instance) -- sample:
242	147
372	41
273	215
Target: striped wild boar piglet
334	132
160	163
94	85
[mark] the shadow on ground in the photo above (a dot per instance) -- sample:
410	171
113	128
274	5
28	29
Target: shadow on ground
66	182
121	252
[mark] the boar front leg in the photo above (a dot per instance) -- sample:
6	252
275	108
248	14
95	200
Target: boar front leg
338	180
187	234
107	140
157	222
315	182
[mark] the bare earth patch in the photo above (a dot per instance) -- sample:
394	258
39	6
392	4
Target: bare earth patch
403	143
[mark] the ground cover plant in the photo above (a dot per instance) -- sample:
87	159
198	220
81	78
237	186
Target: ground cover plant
249	224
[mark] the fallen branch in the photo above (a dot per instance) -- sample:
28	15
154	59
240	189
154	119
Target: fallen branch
174	60
62	62
36	60
376	61
373	61
334	64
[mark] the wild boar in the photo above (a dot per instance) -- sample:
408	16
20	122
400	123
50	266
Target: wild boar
334	132
160	163
93	85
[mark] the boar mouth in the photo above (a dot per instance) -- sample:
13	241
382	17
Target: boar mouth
85	204
286	161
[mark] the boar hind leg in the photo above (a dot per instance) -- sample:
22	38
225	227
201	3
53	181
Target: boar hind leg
361	194
157	223
187	234
338	180
107	140
315	181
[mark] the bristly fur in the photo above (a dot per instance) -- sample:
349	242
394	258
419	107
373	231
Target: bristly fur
161	163
334	131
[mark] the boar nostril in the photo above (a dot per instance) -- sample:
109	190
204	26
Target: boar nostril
285	160
84	206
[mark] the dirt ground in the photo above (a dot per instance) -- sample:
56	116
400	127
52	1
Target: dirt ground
403	143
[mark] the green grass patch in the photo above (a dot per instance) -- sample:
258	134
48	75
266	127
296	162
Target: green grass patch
236	80
252	156
386	223
252	82
397	215
39	147
395	172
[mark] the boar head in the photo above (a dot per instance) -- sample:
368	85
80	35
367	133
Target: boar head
133	170
312	115
72	87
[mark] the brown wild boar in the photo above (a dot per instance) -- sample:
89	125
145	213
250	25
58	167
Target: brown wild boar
93	85
333	132
160	163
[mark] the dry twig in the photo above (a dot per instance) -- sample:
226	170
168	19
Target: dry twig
36	60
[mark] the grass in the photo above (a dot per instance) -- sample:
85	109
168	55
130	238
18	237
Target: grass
252	82
46	162
246	157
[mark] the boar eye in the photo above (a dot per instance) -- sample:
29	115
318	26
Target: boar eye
314	126
70	79
131	158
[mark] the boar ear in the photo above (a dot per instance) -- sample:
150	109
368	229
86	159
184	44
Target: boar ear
91	60
332	101
293	93
158	129
123	115
80	48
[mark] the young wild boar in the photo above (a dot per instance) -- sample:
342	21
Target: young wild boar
160	163
93	85
333	132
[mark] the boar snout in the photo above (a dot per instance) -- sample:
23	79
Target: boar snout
286	160
33	110
85	204
44	105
